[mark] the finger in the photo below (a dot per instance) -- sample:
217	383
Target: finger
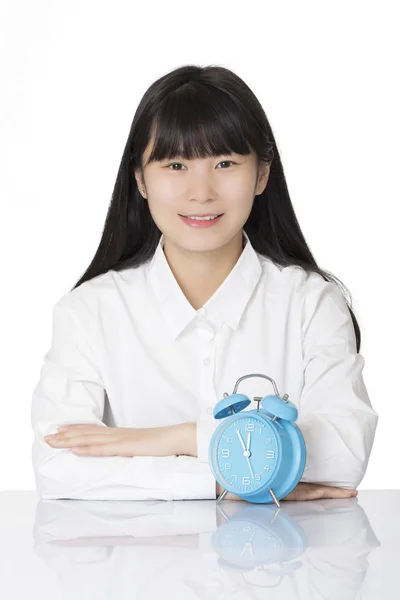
74	439
309	495
335	492
74	432
106	449
93	450
89	427
303	494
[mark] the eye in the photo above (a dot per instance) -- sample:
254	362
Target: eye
173	164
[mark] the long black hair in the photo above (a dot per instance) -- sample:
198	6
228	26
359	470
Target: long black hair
196	111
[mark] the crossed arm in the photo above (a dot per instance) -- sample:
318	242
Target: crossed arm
180	439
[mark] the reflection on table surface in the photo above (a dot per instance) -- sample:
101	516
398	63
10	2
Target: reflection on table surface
337	549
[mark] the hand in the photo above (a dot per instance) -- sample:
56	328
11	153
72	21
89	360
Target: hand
315	491
100	440
241	439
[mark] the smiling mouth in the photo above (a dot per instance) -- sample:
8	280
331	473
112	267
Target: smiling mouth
201	222
200	216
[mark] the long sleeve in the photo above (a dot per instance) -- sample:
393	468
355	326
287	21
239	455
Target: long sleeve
336	418
71	390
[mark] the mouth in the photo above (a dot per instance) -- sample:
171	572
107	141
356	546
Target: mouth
210	215
193	222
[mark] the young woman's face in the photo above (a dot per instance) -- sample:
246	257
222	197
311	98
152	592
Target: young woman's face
202	186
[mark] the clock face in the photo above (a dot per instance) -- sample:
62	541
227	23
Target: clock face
248	543
246	453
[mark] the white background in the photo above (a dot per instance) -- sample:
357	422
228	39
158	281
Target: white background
72	75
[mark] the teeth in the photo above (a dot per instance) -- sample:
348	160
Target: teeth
202	218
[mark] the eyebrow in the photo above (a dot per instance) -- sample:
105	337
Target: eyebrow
180	156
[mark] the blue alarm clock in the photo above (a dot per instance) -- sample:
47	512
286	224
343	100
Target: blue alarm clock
260	454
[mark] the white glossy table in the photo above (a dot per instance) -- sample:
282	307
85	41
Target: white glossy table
192	550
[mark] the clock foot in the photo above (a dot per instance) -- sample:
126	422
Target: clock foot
222	496
271	491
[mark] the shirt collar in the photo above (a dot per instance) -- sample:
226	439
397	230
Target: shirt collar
226	305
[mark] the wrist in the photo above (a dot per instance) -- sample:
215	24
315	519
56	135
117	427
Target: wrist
190	439
182	439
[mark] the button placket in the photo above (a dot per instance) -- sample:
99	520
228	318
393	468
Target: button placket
207	379
207	350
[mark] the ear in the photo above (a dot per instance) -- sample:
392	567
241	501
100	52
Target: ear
140	182
263	175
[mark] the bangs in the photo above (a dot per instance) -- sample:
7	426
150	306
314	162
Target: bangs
198	121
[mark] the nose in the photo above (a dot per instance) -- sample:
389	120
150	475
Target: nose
201	189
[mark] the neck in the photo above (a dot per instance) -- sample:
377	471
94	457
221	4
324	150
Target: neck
200	274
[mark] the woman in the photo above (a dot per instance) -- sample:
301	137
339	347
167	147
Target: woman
202	275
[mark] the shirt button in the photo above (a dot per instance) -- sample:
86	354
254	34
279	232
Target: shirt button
209	410
206	362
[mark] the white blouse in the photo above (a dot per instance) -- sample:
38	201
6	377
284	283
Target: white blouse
129	350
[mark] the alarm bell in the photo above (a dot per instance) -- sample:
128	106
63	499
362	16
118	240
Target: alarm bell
274	404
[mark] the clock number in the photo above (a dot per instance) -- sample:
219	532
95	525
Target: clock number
268	440
246	480
227	439
266	468
270	454
225	453
228	466
234	476
250	427
257	476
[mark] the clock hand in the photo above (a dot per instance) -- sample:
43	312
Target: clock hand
248	448
245	449
251	470
249	544
241	439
